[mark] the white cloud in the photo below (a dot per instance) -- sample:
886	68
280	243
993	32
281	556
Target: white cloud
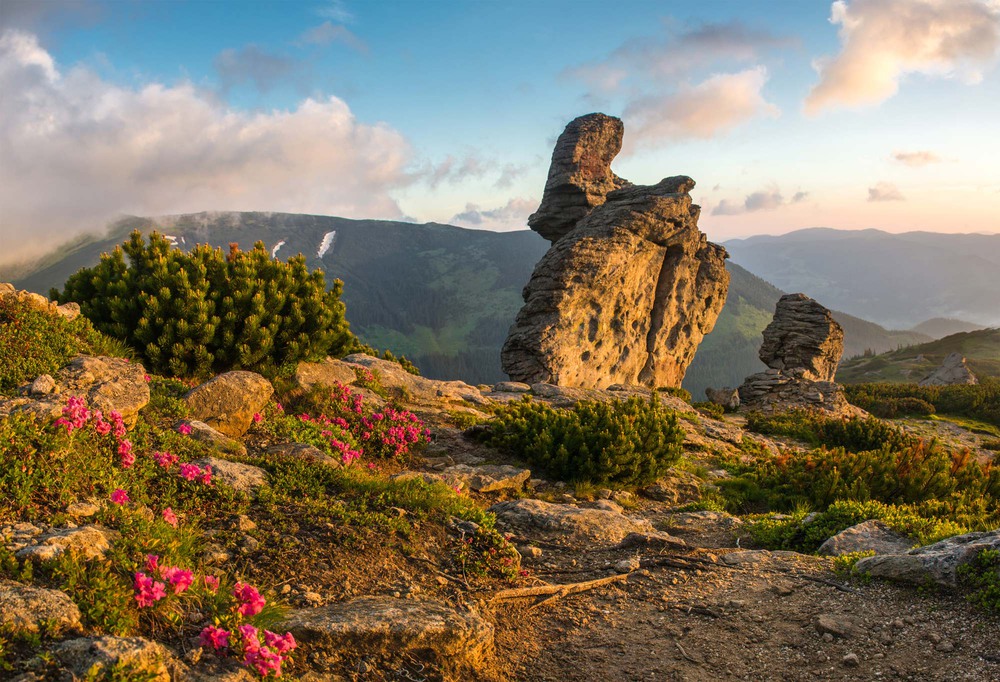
328	32
709	108
884	40
761	200
916	159
885	191
75	151
512	215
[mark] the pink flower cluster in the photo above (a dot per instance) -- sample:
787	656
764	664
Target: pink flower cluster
251	603
393	432
149	590
264	657
186	470
76	416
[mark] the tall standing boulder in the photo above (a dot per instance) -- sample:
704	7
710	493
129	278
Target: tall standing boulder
630	285
953	371
802	348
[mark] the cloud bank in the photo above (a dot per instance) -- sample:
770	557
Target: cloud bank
761	200
885	191
882	41
75	151
916	159
513	214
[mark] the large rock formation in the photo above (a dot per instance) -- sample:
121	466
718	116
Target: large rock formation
802	347
630	285
953	371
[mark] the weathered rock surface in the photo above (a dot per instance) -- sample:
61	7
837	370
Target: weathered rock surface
304	451
630	285
601	526
8	292
953	371
242	477
489	478
580	176
937	563
106	384
28	609
88	542
202	432
418	389
802	348
872	535
327	373
229	401
727	398
370	626
138	657
803	335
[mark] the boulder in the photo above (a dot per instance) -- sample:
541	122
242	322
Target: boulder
417	389
87	542
596	526
511	387
202	432
228	402
727	398
871	535
134	657
580	176
327	373
304	451
241	477
489	478
937	563
459	641
106	384
8	292
630	285
953	371
803	335
28	609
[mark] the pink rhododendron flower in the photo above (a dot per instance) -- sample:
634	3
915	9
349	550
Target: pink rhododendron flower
251	603
119	496
75	414
147	378
279	407
147	591
126	454
170	517
190	471
165	459
211	583
152	563
257	417
264	661
280	643
206	474
118	423
215	637
249	637
179	578
184	429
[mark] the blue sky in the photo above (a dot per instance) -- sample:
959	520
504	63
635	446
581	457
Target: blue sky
851	114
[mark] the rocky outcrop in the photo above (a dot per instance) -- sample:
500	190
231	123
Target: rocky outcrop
580	176
726	398
868	536
28	609
932	564
102	657
86	542
630	285
802	348
803	335
228	402
953	371
106	384
8	292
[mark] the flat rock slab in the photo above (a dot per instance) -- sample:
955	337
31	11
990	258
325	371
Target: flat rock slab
655	540
369	626
203	433
937	563
29	609
600	526
703	521
88	542
488	478
418	389
327	373
871	535
304	451
242	477
229	401
142	658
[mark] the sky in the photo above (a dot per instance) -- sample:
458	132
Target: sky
788	113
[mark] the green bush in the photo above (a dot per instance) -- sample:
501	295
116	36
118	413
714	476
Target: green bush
980	401
34	342
629	442
981	577
854	433
710	409
203	312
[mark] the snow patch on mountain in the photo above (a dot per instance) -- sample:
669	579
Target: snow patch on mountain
327	243
274	251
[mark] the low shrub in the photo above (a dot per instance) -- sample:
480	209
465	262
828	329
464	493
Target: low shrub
853	433
710	409
980	401
981	577
620	443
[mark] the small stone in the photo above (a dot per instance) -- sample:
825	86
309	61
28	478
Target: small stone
286	588
82	510
245	523
945	646
851	660
313	598
827	637
628	565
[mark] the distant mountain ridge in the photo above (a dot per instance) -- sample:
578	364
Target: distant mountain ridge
445	296
900	280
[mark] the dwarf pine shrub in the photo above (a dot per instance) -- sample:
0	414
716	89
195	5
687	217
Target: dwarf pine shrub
203	312
980	401
981	577
629	442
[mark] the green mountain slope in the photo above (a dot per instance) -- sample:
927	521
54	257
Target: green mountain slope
445	296
940	327
981	349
